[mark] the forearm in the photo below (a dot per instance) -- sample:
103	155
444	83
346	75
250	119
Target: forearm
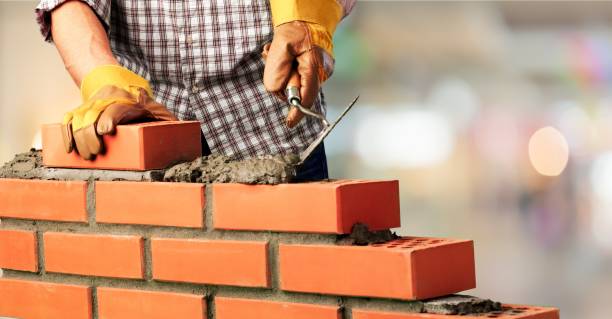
80	39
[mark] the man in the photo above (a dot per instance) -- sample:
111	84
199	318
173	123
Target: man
201	60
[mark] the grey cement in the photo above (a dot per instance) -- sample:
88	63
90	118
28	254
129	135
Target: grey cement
208	169
29	165
221	169
460	305
24	165
360	236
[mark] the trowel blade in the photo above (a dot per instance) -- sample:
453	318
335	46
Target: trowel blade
306	153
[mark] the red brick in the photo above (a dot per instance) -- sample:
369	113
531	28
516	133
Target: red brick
238	308
18	250
162	204
142	146
45	200
94	255
320	207
116	303
509	312
407	268
235	263
40	300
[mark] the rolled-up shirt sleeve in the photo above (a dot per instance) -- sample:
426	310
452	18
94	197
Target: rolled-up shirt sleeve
102	8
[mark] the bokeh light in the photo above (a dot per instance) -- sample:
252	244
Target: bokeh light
548	151
601	183
404	139
601	177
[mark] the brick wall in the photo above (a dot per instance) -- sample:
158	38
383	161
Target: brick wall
111	250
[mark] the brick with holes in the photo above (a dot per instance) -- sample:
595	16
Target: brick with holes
407	268
290	207
507	312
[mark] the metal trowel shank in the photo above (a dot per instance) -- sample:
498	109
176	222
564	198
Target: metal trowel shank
328	128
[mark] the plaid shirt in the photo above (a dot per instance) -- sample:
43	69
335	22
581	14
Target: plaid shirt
203	61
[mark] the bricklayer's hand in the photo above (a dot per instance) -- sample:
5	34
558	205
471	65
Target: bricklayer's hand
302	42
112	95
294	47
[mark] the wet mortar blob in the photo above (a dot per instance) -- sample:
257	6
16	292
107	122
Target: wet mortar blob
460	305
268	170
26	165
361	236
275	169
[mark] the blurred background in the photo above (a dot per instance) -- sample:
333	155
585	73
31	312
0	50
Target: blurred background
496	117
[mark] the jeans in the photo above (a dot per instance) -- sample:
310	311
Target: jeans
313	169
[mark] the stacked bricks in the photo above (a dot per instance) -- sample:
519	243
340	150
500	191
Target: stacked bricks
113	250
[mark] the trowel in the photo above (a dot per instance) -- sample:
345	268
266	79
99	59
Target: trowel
292	92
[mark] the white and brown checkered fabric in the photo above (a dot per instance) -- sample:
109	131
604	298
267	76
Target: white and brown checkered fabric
203	60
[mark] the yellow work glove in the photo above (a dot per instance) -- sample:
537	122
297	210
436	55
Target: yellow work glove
302	43
111	95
